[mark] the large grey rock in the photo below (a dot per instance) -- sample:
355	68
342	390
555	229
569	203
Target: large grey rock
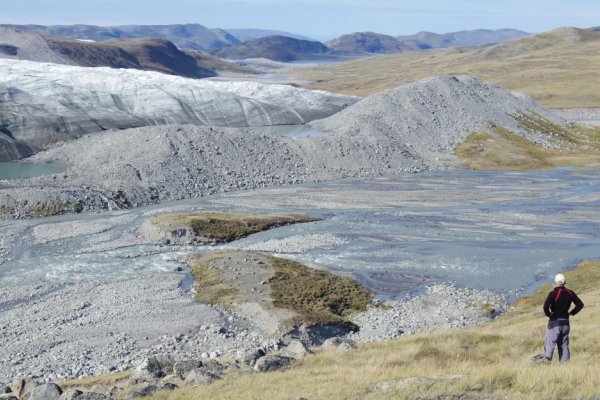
295	349
249	357
201	376
184	367
339	343
153	368
144	392
272	363
48	391
73	394
22	387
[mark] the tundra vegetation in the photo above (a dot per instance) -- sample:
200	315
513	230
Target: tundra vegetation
490	361
557	68
576	145
227	227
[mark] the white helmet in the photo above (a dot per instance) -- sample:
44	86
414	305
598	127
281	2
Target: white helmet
560	279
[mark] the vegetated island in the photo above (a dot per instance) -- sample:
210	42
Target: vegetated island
213	228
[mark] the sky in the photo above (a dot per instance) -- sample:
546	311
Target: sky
318	19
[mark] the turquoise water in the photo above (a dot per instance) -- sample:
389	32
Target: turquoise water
495	230
20	169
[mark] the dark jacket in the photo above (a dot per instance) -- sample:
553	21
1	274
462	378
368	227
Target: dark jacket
558	302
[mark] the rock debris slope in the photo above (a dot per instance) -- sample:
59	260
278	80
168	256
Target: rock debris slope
45	103
425	120
408	129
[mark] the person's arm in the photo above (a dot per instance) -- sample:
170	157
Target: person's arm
578	305
547	304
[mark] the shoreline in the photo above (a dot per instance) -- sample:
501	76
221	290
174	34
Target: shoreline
195	329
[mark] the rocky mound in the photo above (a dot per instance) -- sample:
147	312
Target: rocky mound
408	129
45	103
427	119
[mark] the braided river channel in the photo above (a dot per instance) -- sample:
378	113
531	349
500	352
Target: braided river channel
505	231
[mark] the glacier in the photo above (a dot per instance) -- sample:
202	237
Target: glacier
44	103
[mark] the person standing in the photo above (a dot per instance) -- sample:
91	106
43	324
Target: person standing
556	308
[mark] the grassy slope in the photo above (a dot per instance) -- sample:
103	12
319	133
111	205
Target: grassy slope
503	149
558	68
494	360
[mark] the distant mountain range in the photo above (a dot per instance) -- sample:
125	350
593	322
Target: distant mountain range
370	42
248	34
186	36
144	54
242	43
277	48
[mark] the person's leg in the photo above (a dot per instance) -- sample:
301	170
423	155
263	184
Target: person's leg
551	337
563	344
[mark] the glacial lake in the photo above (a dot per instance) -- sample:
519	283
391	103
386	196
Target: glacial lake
497	230
23	169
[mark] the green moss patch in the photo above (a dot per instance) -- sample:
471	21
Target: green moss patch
316	296
50	209
228	227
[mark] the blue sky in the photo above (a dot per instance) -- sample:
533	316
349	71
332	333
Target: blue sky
319	19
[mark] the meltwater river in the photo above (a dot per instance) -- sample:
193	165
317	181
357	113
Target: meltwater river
496	230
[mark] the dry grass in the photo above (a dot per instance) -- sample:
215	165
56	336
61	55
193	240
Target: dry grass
111	379
558	69
506	150
213	289
494	361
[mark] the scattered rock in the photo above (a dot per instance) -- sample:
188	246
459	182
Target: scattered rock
48	391
478	387
5	389
250	357
184	367
295	349
199	376
272	363
339	343
153	368
144	392
73	394
168	387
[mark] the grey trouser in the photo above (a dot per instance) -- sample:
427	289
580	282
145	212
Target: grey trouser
558	335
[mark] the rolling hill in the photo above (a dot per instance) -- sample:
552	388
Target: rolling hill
185	36
541	66
144	54
276	48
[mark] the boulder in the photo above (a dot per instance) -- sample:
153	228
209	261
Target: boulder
272	363
295	349
22	387
200	376
249	357
168	387
5	389
73	394
184	367
153	368
48	391
339	343
146	391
